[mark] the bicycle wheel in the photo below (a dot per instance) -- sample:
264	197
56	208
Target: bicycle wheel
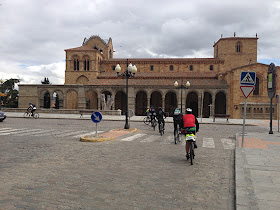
25	114
176	137
191	152
146	121
36	116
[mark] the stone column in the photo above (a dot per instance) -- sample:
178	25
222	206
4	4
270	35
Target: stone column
113	95
149	100
163	102
200	105
131	98
213	104
81	97
99	100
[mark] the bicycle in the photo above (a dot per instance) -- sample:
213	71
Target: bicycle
190	138
29	115
161	128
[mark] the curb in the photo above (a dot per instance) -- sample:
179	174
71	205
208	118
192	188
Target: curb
101	138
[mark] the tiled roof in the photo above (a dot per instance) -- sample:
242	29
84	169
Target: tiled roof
174	60
163	75
195	83
80	48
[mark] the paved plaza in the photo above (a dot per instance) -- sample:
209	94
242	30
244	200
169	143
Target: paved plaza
257	170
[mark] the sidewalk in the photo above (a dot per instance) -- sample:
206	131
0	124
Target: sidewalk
138	118
257	171
257	164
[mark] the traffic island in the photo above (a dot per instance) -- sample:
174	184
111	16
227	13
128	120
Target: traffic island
111	135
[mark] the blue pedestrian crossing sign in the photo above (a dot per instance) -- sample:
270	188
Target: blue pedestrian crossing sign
96	117
248	78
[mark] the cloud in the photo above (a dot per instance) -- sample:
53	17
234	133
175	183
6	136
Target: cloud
34	74
35	33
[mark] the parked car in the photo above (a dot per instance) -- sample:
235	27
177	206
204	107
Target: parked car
2	116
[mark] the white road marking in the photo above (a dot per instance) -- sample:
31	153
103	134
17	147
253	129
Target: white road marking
168	140
150	139
85	134
9	130
208	142
69	133
136	136
4	129
228	144
12	131
29	132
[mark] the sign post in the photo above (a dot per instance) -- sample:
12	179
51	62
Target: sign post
96	117
247	86
271	88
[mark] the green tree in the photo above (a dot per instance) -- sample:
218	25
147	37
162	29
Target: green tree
11	99
45	81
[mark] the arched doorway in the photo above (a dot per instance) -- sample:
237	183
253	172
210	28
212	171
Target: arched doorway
156	100
57	99
71	100
120	101
91	100
141	103
47	100
192	102
220	103
170	103
207	100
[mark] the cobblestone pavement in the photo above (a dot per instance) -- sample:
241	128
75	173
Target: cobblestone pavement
53	170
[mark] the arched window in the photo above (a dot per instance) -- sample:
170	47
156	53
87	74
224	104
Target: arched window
191	67
113	68
110	54
171	67
238	47
257	87
86	63
76	64
152	67
211	67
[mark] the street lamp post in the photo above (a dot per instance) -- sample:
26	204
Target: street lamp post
187	85
129	73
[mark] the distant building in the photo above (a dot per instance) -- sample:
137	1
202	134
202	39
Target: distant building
215	88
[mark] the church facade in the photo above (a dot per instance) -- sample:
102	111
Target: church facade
214	82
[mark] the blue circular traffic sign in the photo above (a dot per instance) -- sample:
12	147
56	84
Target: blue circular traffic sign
96	117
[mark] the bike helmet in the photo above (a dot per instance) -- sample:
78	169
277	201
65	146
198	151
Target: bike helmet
189	110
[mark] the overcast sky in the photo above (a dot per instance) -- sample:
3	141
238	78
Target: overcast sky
35	33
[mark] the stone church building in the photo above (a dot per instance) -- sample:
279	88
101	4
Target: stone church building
214	82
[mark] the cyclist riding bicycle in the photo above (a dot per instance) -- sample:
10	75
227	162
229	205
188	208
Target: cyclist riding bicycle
160	119
177	120
191	125
32	108
152	113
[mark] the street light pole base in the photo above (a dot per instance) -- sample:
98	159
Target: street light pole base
270	132
126	126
